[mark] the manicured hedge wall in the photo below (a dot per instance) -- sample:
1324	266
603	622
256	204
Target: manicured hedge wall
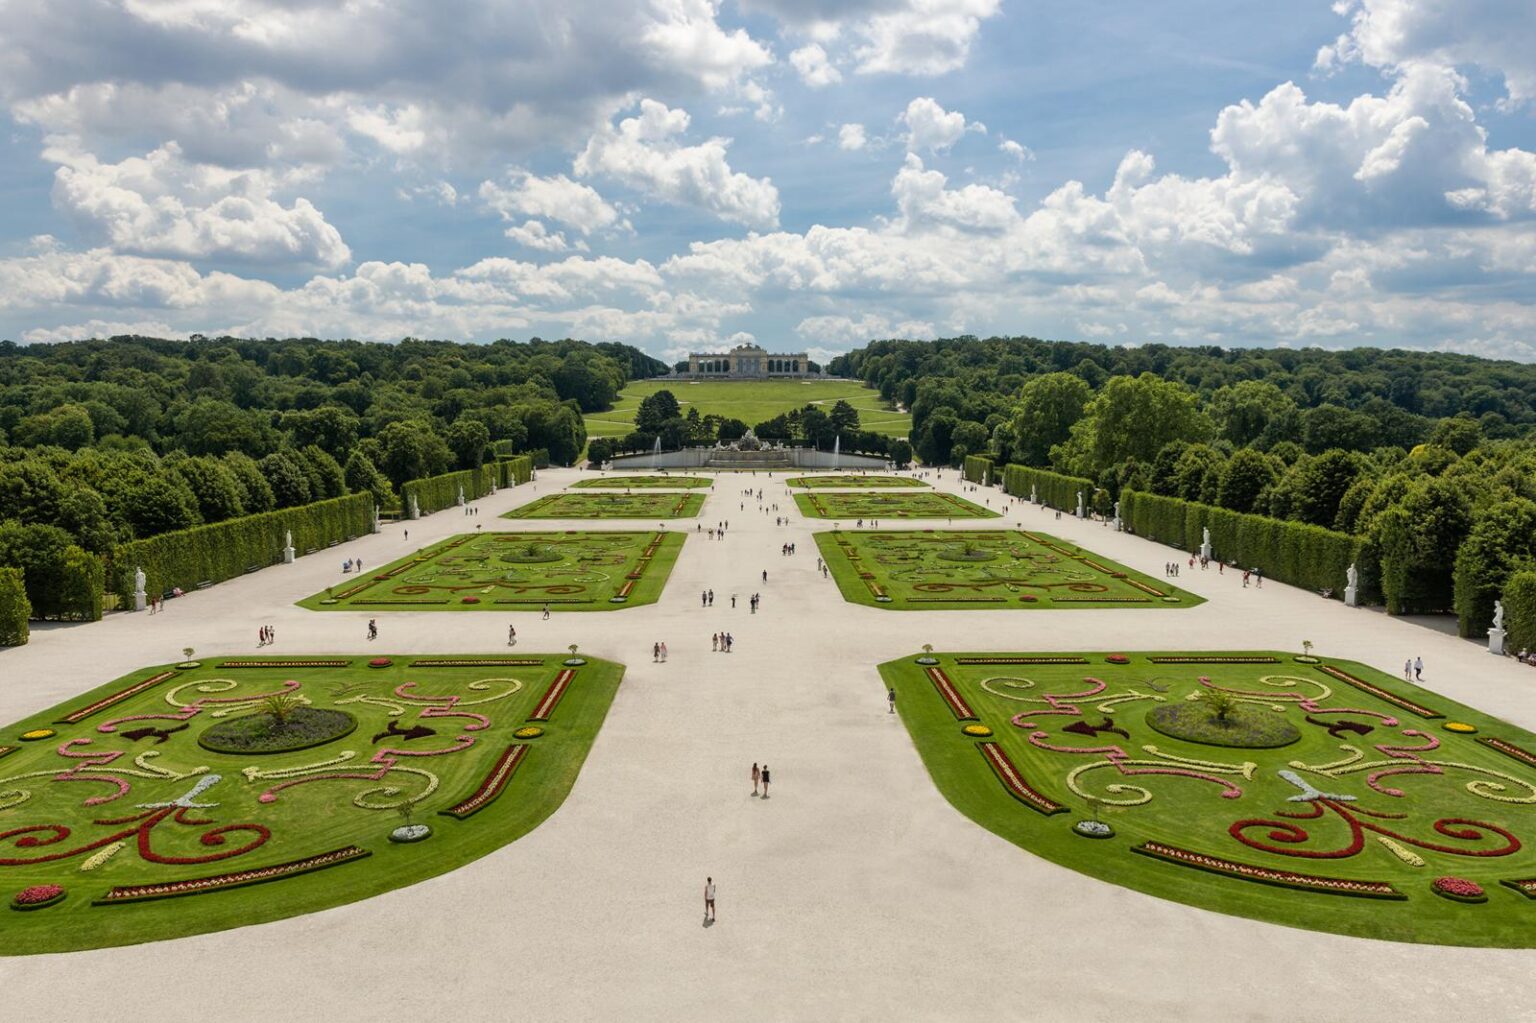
512	471
438	492
1053	488
81	585
1520	612
978	468
1292	552
14	608
224	550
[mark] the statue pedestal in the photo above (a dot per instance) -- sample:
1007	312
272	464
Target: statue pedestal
1205	551
1496	641
1351	596
287	555
140	600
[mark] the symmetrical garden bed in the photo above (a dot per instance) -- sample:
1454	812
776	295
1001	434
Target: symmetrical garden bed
653	504
1375	821
927	504
151	834
937	569
568	571
645	483
853	481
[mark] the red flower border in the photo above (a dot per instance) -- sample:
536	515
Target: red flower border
286	664
239	878
552	695
1021	660
1268	875
1215	659
1378	692
75	717
495	781
490	662
1509	749
951	695
1014	782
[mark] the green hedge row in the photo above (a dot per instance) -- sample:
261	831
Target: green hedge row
14	608
1053	488
438	492
1292	552
1520	612
512	471
978	469
224	550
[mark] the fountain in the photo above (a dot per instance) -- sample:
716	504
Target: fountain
837	449
656	453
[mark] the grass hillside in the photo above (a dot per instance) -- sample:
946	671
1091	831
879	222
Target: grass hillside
751	401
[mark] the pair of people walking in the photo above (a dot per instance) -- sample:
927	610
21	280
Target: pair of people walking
760	779
659	652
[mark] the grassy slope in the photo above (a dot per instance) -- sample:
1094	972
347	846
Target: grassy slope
611	506
752	402
1192	815
866	506
305	820
846	575
647	590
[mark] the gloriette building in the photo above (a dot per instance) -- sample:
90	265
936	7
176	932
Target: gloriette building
747	362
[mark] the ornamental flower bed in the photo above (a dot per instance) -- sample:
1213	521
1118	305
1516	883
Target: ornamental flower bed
1118	659
380	662
77	716
469	600
38	896
1509	749
1458	889
1267	875
501	772
1379	693
236	879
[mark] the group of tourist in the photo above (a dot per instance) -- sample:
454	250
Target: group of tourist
721	642
266	635
351	565
1413	669
786	550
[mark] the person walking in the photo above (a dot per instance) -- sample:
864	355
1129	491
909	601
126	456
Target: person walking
511	635
546	612
655	653
373	629
714	643
756	777
765	781
890	698
1408	670
1418	669
709	900
663	652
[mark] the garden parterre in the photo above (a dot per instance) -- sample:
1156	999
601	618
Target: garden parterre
984	569
849	481
113	800
648	505
645	482
1378	820
837	504
567	571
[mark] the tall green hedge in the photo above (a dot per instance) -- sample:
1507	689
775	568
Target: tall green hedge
224	550
1053	488
1520	611
15	609
81	584
512	471
978	469
1291	552
438	492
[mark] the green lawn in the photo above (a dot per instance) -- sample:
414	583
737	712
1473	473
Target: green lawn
854	482
568	571
170	811
918	505
646	482
1386	802
647	505
751	401
936	570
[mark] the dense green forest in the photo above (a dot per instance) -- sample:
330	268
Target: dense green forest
109	441
1427	457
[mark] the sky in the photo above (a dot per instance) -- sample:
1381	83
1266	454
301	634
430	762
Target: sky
684	175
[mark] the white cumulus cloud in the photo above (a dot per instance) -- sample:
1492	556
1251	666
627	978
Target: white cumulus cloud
643	153
931	127
851	137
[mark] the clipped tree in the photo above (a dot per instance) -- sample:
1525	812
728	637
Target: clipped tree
1520	611
1418	540
15	609
1502	540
